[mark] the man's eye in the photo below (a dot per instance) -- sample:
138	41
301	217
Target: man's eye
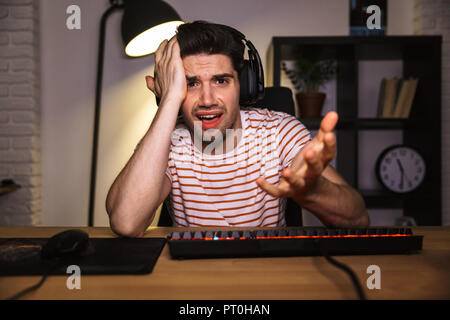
191	83
221	81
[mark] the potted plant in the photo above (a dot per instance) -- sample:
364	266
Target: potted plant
313	67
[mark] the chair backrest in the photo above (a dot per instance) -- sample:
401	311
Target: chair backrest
276	99
280	99
164	218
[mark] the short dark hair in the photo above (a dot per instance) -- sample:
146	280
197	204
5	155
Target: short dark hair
205	37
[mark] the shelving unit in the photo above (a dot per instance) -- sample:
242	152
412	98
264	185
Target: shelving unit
420	57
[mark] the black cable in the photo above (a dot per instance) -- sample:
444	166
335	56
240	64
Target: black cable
37	285
348	270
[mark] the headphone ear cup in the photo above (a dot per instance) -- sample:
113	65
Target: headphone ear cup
248	85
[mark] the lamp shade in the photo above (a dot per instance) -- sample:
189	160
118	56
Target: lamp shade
145	24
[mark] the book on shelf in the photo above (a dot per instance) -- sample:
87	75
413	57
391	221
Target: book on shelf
388	97
381	98
401	98
406	108
396	97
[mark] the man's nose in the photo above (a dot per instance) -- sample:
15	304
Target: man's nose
208	96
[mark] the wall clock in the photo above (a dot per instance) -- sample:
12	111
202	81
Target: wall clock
401	169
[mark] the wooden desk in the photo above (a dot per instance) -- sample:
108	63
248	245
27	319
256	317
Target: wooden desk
417	276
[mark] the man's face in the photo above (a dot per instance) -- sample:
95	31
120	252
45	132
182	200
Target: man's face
212	98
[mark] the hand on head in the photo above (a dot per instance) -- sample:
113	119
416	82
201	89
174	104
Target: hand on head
169	81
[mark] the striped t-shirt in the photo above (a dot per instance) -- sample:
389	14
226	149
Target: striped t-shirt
221	190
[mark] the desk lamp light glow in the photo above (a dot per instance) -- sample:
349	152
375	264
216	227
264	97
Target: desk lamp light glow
148	41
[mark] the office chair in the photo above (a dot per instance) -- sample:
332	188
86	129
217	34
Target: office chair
280	99
276	99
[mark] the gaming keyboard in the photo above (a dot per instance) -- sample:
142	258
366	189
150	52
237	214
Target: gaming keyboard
292	242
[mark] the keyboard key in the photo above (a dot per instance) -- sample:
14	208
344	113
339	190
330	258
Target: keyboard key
223	234
175	235
235	235
292	233
247	234
322	232
198	235
209	234
260	234
186	235
282	233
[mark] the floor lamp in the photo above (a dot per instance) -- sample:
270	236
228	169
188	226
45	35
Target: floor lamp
145	24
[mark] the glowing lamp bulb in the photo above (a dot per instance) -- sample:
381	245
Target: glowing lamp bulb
148	41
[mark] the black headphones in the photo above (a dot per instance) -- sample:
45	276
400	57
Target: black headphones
251	79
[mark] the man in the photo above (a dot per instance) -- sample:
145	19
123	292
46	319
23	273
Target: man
224	166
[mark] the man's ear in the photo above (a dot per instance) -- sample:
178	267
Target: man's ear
151	86
150	83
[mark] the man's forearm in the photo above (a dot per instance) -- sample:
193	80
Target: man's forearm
135	194
336	205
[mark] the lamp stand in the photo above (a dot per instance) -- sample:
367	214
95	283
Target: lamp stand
115	5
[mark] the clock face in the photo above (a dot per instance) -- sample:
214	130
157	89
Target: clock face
401	169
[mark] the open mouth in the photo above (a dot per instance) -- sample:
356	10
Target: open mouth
209	119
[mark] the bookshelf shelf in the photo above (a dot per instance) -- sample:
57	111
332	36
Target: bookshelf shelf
365	124
419	57
380	199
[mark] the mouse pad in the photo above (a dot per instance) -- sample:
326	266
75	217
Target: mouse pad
22	256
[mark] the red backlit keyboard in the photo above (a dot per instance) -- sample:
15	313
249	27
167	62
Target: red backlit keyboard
292	242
